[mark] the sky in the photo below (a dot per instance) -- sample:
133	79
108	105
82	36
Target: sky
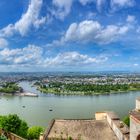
69	35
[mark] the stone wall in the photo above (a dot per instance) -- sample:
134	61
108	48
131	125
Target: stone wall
119	128
100	115
138	104
134	125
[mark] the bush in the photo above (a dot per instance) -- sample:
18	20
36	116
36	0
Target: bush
23	129
34	132
126	120
2	137
12	123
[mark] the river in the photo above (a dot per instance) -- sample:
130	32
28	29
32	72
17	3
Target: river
37	109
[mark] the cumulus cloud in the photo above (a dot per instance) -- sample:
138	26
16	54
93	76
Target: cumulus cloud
3	43
29	55
85	31
114	4
61	8
99	3
33	56
110	34
117	4
39	22
91	31
28	19
73	59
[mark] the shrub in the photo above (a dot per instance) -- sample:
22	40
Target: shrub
12	123
23	129
34	132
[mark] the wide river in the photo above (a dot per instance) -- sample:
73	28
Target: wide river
36	110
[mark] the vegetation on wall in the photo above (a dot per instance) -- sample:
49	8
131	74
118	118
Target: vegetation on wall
126	120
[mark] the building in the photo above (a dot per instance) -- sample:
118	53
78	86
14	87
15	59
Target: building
105	126
135	122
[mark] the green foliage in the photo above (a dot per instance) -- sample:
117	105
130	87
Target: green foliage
126	120
85	89
10	87
2	137
1	119
12	123
23	129
34	132
69	138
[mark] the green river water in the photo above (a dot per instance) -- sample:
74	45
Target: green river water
36	111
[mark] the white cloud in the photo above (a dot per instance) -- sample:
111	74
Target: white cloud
114	4
39	22
91	31
131	19
110	34
73	59
117	4
29	55
99	3
3	43
33	56
84	31
62	8
91	15
136	64
28	19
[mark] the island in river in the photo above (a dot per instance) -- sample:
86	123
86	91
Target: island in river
59	88
10	88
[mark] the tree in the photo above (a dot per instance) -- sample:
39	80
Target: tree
23	129
34	132
11	123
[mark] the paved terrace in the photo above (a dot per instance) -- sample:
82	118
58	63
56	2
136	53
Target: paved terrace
84	129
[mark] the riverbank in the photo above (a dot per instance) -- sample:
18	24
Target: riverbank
83	93
28	94
86	89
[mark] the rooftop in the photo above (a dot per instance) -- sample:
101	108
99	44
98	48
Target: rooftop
77	129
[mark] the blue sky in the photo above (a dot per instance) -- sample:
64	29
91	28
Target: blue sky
69	35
